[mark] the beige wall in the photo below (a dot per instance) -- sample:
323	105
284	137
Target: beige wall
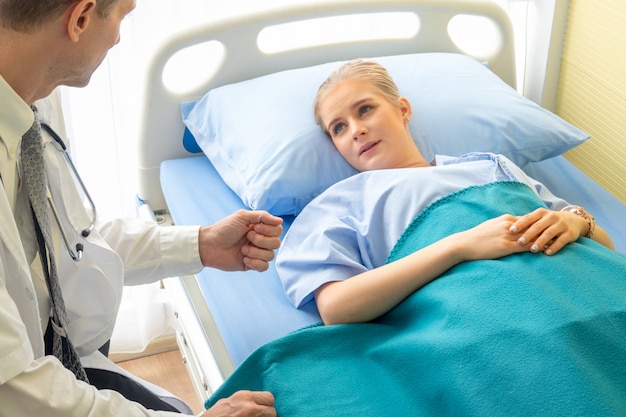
592	89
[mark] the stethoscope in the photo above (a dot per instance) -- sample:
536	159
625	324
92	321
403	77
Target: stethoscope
76	254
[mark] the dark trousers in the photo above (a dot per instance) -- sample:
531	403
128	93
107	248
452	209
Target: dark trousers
104	379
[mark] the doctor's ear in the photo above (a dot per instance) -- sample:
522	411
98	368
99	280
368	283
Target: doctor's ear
80	14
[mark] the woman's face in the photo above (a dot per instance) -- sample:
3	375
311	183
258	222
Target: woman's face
368	129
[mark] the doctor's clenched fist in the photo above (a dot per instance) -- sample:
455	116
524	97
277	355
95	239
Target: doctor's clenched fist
242	241
244	404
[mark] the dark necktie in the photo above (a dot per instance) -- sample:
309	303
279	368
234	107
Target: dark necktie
33	175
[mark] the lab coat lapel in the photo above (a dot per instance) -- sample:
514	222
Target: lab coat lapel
17	275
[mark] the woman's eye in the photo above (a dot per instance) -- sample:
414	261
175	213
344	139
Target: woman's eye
338	128
364	109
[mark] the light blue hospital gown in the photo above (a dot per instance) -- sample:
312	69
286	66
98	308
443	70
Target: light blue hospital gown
353	225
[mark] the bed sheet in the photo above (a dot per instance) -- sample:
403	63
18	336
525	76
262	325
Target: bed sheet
251	308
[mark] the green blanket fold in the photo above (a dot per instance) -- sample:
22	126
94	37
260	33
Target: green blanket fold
523	335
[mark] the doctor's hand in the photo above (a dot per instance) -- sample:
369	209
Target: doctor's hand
244	404
242	241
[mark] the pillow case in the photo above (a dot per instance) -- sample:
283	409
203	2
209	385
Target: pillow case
261	136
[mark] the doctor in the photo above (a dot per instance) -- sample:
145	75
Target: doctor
44	44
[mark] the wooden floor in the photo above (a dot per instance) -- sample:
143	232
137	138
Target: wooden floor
168	371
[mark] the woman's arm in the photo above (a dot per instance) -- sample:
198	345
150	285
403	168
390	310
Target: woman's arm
373	293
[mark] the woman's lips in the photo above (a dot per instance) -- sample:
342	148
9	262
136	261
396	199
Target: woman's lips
367	147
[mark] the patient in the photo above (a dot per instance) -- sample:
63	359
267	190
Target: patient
349	231
542	328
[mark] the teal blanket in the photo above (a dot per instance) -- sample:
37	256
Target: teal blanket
524	335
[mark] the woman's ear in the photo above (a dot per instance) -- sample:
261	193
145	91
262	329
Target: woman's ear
405	108
80	14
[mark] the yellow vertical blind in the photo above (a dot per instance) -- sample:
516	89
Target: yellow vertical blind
592	89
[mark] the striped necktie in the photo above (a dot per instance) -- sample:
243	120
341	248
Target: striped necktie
33	175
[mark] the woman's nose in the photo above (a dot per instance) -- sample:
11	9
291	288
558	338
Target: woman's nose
358	131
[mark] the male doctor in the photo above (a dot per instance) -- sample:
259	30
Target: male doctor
44	44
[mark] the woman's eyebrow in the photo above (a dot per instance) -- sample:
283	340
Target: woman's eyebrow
360	103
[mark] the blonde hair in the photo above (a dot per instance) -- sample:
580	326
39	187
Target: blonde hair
358	69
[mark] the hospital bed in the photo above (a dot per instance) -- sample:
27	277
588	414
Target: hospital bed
224	316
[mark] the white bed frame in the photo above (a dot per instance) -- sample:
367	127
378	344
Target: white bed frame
162	128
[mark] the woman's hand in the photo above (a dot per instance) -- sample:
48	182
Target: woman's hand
548	231
491	239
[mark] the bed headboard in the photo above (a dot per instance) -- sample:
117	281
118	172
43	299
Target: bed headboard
162	128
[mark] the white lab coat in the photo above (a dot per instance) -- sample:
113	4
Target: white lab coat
115	253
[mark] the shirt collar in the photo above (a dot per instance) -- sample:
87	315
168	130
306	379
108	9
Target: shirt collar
16	117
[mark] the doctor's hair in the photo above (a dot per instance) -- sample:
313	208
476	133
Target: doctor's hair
26	15
361	70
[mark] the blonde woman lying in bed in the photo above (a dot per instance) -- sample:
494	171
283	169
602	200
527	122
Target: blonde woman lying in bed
349	230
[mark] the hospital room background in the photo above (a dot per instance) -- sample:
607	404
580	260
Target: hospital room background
571	59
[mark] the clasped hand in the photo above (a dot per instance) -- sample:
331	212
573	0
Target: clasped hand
242	241
542	230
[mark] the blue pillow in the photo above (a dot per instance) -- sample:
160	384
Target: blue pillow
261	136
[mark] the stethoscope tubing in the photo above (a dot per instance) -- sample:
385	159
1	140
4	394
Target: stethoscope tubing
75	255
